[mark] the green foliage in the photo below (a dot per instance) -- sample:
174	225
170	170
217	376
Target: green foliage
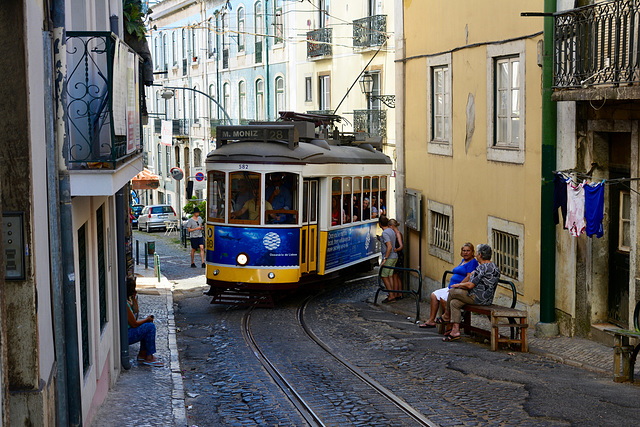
134	18
202	205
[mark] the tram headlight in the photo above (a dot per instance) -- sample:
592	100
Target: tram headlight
216	272
242	259
271	275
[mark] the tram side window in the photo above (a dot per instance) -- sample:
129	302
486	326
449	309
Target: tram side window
346	200
216	197
244	198
336	202
383	195
366	199
374	198
357	199
281	194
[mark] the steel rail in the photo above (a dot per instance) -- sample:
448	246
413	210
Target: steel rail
385	392
303	407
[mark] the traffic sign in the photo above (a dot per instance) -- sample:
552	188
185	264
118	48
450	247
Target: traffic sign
199	176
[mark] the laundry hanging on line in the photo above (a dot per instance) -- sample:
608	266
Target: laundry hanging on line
582	205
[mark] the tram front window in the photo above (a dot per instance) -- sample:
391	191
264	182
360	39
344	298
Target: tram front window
215	199
282	194
245	198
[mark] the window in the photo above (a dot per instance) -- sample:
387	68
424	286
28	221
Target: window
241	30
259	26
357	199
324	93
323	13
624	226
174	48
281	193
260	99
507	100
440	225
102	268
84	296
156	51
165	53
212	106
308	90
337	214
505	104
278	23
374	197
185	38
194	45
347	200
366	198
168	154
194	99
215	199
506	239
280	102
383	195
242	100
211	41
159	157
226	96
439	105
197	158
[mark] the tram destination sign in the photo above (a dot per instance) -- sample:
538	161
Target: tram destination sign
258	133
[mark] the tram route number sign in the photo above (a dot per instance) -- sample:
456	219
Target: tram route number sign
261	133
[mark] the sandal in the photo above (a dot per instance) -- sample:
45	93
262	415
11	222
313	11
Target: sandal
449	338
441	321
155	363
426	325
387	300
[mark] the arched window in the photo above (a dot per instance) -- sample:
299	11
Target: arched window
194	45
185	38
280	101
165	52
197	158
242	100
260	99
259	26
241	29
174	48
226	98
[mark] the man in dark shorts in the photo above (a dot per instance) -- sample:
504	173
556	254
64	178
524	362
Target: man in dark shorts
195	227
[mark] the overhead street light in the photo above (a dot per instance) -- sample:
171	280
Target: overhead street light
168	92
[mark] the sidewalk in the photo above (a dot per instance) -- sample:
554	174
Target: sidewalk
143	395
579	352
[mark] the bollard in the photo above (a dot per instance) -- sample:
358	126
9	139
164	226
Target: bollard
156	263
137	252
146	256
151	247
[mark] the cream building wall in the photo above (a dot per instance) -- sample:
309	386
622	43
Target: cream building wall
476	185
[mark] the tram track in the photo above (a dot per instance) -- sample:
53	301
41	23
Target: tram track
295	397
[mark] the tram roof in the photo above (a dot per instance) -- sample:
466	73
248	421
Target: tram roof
305	152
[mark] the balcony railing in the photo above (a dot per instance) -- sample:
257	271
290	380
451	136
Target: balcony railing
370	31
103	112
597	45
371	122
181	127
319	43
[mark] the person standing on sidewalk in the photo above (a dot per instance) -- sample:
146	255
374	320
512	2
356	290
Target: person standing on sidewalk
389	258
195	227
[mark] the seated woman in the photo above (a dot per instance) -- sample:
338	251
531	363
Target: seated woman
480	290
461	273
143	331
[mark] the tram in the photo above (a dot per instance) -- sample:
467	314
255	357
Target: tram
287	202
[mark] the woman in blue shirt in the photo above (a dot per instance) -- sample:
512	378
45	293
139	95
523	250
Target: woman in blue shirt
461	273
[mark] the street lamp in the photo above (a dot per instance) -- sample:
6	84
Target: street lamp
168	92
366	86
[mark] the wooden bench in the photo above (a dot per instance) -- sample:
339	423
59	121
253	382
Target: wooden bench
624	354
500	317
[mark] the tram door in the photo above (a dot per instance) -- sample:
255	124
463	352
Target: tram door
309	231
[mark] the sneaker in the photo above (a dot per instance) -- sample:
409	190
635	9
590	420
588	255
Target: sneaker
203	265
193	265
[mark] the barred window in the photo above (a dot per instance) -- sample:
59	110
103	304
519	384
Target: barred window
505	252
440	231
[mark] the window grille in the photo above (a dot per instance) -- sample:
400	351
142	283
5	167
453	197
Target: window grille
440	231
505	253
84	298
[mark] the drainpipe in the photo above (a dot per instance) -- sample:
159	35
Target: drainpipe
122	284
266	57
548	325
55	254
67	256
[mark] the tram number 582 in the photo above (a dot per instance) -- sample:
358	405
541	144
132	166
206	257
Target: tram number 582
243	167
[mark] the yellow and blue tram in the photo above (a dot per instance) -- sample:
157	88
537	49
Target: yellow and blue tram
287	201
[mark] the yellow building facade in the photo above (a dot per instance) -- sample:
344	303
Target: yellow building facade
471	118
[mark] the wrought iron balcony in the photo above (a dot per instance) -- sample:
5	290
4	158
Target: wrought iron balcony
103	112
597	45
371	122
370	31
319	43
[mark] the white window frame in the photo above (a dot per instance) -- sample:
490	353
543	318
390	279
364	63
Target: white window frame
508	154
622	220
516	229
308	89
442	209
324	92
440	146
